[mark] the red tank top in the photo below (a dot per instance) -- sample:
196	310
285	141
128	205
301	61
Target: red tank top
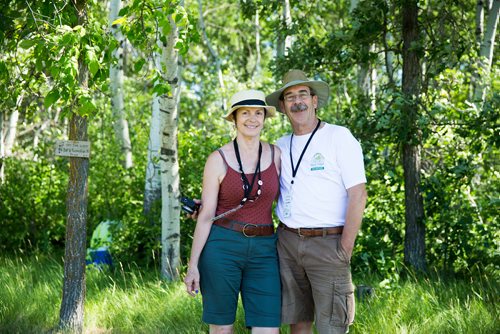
231	194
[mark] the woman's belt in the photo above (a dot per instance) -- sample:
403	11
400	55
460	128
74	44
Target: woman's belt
248	230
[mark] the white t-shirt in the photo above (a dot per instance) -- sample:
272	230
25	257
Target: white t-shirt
332	163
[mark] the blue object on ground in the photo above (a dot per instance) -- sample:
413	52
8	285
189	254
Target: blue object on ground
98	254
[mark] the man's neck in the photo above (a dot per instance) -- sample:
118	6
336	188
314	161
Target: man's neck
300	130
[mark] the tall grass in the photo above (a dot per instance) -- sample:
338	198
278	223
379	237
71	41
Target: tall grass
130	300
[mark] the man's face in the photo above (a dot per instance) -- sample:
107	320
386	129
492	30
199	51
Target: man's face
299	105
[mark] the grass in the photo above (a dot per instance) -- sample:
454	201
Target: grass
131	300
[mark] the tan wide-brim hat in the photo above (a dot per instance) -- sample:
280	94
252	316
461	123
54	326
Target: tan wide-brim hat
295	78
249	98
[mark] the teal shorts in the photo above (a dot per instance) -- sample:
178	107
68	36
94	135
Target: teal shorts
231	264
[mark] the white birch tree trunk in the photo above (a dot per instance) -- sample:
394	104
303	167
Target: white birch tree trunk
214	55
170	209
389	58
479	22
152	189
373	85
285	40
10	135
116	81
257	69
486	52
480	6
367	75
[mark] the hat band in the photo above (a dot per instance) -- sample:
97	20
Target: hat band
249	102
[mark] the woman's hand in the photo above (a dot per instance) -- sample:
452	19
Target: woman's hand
192	281
194	215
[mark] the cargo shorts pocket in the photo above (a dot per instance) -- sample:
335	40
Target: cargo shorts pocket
342	253
343	305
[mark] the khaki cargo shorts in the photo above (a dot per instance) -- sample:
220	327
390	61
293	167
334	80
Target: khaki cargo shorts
316	281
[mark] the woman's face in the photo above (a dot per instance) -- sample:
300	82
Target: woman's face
249	120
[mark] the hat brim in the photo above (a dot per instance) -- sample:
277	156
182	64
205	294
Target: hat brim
320	88
271	111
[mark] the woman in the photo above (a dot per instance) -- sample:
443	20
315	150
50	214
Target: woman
234	245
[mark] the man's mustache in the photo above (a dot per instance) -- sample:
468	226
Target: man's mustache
298	107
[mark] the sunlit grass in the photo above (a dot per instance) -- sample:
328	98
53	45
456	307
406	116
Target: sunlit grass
432	306
131	300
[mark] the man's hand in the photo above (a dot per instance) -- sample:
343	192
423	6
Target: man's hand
347	248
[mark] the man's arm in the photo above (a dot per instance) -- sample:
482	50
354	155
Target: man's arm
356	203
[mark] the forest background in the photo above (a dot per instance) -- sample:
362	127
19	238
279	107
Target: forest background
417	82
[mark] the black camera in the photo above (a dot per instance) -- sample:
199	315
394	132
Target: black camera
189	205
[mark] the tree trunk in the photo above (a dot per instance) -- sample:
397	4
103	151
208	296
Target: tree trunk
367	74
72	305
486	52
414	250
170	232
258	68
388	54
214	55
116	81
10	136
479	22
8	139
284	40
367	78
152	189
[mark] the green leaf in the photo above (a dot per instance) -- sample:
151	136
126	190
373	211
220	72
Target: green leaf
86	106
165	25
93	67
51	98
139	64
64	29
4	72
124	11
92	61
27	43
80	31
161	89
120	21
181	17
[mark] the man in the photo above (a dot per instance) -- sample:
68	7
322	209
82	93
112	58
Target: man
321	204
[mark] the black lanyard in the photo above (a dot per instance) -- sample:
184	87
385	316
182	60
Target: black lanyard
247	187
295	170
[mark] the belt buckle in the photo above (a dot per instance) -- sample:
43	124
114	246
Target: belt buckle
244	233
298	232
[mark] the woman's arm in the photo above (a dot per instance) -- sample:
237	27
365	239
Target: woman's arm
212	176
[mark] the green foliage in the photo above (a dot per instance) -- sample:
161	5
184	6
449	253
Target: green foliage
53	44
32	205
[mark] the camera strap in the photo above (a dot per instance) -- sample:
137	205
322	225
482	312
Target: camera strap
222	215
247	186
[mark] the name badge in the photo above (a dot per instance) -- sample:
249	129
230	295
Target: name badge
287	210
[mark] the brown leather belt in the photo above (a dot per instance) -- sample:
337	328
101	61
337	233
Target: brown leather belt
248	230
313	232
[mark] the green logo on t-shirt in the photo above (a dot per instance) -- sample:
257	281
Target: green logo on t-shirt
318	162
